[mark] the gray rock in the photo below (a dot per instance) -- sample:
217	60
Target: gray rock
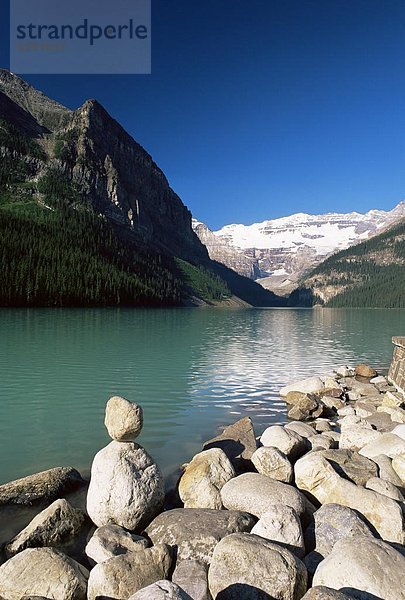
161	590
351	465
126	487
123	419
381	421
256	494
43	572
112	540
321	441
271	462
307	407
194	532
388	443
124	575
303	429
192	577
322	425
385	488
203	479
364	567
282	525
311	385
277	573
45	486
54	527
315	475
320	592
285	440
238	441
363	389
334	404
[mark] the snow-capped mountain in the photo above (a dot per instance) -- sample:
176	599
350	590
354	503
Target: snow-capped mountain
278	252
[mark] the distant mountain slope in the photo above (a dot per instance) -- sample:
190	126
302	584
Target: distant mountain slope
88	214
370	274
279	252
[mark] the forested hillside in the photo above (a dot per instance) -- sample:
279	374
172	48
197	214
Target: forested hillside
370	274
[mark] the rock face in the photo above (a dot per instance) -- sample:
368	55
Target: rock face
315	475
161	590
124	575
194	533
126	487
41	487
277	572
287	441
43	572
203	479
192	577
256	494
376	569
112	540
54	526
282	525
238	441
271	462
123	419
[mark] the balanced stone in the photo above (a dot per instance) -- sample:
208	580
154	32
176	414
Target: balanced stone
126	487
281	524
277	573
123	419
43	572
203	479
112	540
273	463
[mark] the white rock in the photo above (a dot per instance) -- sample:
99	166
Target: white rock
43	572
123	419
356	436
126	487
345	371
112	540
388	443
203	479
287	441
398	464
281	524
385	488
368	567
386	471
399	430
311	385
346	411
273	463
303	429
161	590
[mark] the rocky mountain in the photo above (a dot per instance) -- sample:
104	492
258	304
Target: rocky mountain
369	274
60	168
278	253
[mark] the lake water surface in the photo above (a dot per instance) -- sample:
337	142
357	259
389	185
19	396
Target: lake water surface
192	370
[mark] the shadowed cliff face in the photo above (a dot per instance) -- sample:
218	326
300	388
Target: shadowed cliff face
114	173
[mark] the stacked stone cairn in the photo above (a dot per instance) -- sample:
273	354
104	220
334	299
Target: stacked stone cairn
312	510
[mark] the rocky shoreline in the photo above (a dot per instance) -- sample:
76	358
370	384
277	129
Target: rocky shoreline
311	510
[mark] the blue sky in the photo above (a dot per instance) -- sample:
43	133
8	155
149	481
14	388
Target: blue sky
262	108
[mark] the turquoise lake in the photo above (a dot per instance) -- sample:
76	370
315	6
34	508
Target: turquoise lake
192	370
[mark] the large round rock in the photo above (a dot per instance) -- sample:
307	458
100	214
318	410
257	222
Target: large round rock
365	568
43	572
123	419
274	573
126	487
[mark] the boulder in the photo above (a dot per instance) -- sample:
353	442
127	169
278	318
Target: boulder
277	573
42	487
161	590
398	464
351	465
126	487
321	441
281	524
385	488
112	540
308	407
123	419
320	592
386	471
238	441
194	532
287	441
365	371
315	475
323	425
192	577
43	572
271	462
364	567
124	575
357	435
362	389
203	478
332	403
381	422
388	443
256	494
303	429
311	385
55	526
